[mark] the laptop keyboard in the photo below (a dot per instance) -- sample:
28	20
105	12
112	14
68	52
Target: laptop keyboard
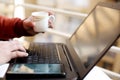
40	53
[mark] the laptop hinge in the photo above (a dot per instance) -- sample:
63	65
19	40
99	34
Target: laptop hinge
68	59
71	67
78	78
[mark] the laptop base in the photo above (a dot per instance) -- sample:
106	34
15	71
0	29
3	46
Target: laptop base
35	71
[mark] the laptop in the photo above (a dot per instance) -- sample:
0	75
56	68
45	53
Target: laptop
78	55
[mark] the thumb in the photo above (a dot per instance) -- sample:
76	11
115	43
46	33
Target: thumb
28	23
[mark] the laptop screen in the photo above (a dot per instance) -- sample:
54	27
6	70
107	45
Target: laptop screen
96	34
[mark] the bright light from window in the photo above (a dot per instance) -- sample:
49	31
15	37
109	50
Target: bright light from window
19	10
82	3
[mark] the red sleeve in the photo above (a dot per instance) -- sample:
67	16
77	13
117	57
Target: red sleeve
11	27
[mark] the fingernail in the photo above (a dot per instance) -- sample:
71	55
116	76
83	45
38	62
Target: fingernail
26	54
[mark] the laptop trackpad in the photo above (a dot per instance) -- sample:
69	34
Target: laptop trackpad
26	71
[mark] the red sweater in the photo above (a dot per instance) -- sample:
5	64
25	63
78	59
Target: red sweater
11	27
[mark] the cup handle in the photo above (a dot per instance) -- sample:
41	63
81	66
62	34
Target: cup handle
52	18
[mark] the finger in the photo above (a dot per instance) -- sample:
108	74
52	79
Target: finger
19	54
29	19
50	12
18	46
51	25
28	23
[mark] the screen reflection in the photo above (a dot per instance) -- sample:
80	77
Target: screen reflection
95	34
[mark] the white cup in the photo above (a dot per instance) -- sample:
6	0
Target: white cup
40	20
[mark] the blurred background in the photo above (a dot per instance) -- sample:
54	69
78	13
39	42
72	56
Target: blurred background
69	15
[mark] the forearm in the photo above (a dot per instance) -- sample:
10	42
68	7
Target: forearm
11	27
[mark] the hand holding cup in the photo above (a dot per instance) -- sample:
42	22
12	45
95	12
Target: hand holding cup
41	21
29	23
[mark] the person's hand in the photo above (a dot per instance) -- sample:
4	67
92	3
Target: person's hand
11	49
28	24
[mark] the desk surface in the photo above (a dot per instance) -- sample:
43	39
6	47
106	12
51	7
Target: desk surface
97	74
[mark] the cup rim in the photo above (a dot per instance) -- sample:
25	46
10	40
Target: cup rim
37	13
